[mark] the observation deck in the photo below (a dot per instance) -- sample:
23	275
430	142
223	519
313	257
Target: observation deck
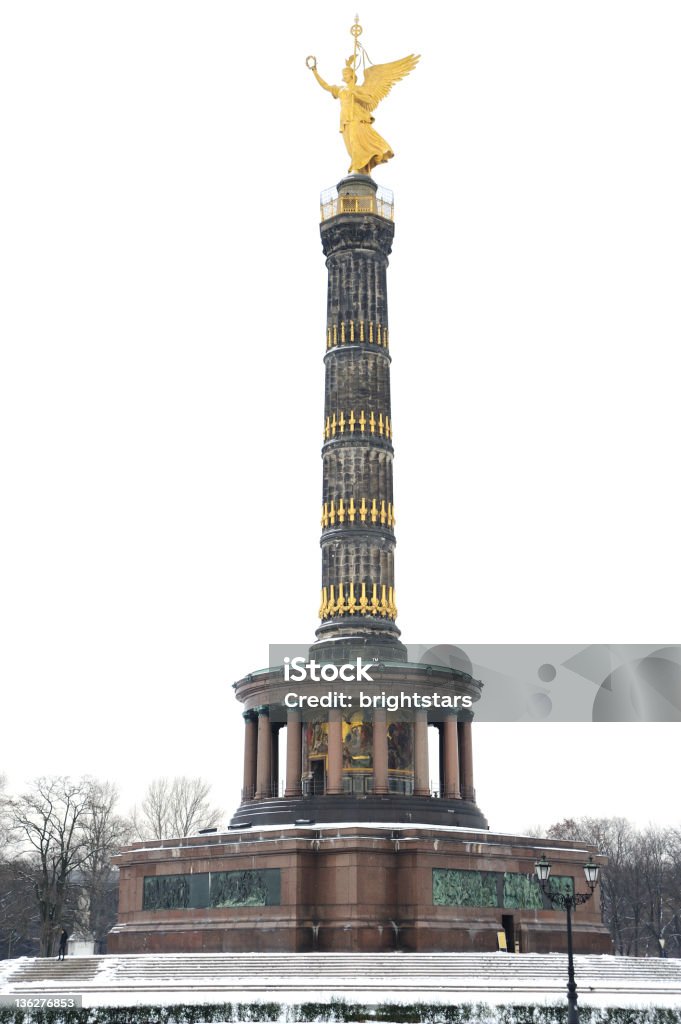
362	200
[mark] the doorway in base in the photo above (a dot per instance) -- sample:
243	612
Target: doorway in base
318	769
509	928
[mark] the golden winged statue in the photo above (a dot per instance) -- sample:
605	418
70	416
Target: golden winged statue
363	143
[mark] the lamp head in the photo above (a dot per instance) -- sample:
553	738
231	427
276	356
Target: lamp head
591	872
542	869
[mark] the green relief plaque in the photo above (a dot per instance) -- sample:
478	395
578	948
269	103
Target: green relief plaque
175	892
522	892
217	889
512	891
245	888
169	892
454	888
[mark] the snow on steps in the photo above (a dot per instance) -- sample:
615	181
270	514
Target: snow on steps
371	978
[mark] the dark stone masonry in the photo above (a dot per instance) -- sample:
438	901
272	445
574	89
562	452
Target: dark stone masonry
358	512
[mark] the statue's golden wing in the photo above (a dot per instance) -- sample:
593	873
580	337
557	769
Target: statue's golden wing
380	78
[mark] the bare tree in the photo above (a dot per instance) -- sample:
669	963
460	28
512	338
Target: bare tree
534	831
4	818
18	913
618	841
672	933
17	902
640	885
657	857
104	832
173	808
47	826
614	837
190	808
153	821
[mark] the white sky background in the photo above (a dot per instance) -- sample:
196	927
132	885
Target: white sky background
162	313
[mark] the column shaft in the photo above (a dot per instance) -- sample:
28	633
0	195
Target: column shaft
441	757
421	782
466	742
250	755
380	751
335	754
264	771
357	455
451	756
275	760
294	752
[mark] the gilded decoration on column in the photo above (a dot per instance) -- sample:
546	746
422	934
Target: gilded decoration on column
358	599
367	511
351	333
344	423
365	146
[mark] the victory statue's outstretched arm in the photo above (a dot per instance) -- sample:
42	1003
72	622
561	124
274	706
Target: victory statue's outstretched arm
324	85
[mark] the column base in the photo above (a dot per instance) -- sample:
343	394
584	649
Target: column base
366	638
370	808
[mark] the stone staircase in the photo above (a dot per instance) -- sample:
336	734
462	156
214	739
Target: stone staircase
370	978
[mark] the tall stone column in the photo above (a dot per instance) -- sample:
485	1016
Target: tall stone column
451	757
264	771
466	745
274	778
441	757
294	752
357	513
250	753
421	768
335	753
380	751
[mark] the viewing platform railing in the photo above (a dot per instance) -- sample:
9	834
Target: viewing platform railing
381	204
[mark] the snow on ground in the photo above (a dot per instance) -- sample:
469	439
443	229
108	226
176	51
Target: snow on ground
290	979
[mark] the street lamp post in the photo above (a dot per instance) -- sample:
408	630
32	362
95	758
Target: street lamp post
568	902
